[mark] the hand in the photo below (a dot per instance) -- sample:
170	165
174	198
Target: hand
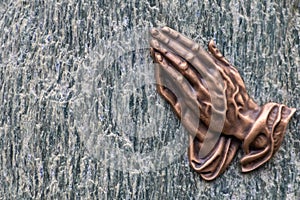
209	96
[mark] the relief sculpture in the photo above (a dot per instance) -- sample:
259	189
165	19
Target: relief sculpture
198	84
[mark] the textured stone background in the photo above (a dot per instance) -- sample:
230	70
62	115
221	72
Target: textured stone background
80	116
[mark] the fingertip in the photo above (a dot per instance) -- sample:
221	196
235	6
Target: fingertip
195	47
154	32
165	29
213	48
152	52
211	43
190	57
158	57
154	43
183	66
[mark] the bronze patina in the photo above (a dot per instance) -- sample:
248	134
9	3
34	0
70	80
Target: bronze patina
197	84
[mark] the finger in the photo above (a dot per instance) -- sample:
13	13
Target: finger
196	100
163	86
187	49
228	71
189	119
193	77
188	43
216	53
152	53
186	70
233	82
185	92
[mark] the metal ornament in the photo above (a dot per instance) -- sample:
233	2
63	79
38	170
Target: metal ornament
198	84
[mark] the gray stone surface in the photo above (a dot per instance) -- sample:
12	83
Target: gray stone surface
79	114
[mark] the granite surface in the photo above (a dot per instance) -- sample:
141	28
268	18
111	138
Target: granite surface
80	116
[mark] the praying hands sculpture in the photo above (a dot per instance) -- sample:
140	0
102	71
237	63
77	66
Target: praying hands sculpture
210	98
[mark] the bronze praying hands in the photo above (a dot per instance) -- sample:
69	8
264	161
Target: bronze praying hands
210	98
